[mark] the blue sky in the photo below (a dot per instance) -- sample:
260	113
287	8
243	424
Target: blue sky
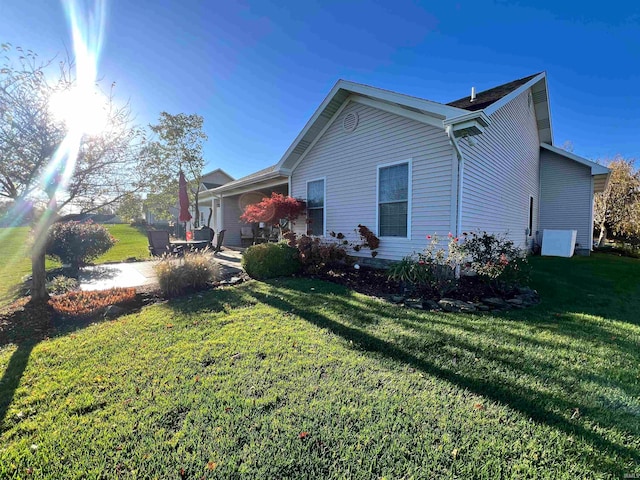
257	70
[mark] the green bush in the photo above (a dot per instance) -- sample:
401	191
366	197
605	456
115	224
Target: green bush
62	284
269	260
77	243
194	270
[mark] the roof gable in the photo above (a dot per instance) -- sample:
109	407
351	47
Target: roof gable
335	101
474	116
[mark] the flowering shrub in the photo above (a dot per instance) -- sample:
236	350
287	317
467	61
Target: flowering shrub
494	258
87	303
316	254
77	243
433	269
195	270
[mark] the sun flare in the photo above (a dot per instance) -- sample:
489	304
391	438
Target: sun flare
82	110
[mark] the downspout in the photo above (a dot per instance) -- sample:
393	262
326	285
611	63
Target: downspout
456	147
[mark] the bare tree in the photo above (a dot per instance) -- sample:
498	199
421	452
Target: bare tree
617	209
43	160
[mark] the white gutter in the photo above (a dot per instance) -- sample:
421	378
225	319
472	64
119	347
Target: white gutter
456	147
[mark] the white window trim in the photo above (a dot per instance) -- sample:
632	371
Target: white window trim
409	162
324	205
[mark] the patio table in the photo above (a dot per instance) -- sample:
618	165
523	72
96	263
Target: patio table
191	244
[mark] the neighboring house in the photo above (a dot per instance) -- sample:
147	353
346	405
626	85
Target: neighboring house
213	179
408	167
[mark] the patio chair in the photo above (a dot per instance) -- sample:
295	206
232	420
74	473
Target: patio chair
247	235
160	245
204	233
219	241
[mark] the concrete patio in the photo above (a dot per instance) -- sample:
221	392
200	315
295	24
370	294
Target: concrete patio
138	274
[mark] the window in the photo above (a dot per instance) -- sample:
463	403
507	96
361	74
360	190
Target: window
315	207
393	200
530	216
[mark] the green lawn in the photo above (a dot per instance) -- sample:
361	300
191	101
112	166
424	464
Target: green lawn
302	379
132	243
16	263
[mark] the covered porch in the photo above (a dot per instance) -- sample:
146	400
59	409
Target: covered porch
229	201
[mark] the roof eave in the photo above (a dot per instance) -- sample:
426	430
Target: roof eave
238	184
513	94
596	169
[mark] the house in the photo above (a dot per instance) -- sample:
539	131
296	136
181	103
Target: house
407	167
211	180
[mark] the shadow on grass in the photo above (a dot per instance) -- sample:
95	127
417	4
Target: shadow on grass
12	376
26	328
535	404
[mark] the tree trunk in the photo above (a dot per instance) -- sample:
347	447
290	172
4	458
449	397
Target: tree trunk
603	235
39	276
196	224
38	273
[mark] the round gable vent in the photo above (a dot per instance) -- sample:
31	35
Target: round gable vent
350	122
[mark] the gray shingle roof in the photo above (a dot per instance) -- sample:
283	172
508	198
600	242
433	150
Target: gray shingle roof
486	98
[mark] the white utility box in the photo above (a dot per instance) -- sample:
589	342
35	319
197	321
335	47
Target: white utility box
558	243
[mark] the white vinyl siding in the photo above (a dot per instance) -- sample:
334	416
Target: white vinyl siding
566	197
502	172
231	212
315	207
349	163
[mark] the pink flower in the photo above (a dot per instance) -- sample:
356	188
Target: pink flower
450	235
428	237
421	262
455	239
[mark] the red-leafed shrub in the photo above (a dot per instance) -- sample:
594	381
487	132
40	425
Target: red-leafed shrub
369	240
315	254
77	243
274	210
87	303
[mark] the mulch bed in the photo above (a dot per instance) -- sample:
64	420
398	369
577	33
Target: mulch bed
366	280
374	282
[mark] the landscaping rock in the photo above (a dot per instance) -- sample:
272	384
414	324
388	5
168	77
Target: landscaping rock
397	298
495	302
526	291
453	305
417	304
113	311
528	299
516	302
482	307
431	305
